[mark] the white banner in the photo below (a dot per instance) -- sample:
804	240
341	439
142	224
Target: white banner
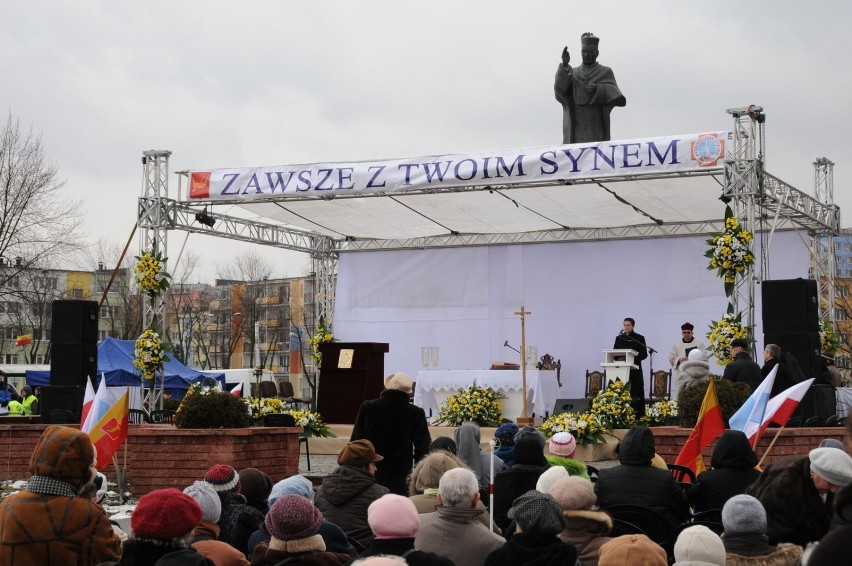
690	152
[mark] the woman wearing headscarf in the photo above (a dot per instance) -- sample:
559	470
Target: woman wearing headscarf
479	462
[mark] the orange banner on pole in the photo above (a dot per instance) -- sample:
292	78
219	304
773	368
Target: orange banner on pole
709	426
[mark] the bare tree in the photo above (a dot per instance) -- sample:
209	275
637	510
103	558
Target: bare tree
37	224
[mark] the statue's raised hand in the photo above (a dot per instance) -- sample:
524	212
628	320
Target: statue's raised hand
566	57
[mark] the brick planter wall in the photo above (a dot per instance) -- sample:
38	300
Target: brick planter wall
792	441
161	456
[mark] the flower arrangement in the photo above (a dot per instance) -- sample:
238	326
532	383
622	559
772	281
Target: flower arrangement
723	332
612	406
311	422
586	428
149	354
322	335
474	404
150	275
828	339
729	251
660	413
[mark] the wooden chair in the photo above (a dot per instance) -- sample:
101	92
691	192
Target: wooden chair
793	422
661	385
138	416
635	519
832	420
711	518
595	383
812	421
161	416
288	420
286	393
267	390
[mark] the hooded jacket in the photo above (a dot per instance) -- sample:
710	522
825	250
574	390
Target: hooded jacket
691	372
47	523
636	482
532	550
344	497
733	470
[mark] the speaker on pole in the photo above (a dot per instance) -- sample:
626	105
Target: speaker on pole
790	305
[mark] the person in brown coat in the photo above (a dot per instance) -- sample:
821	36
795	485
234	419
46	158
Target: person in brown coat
587	527
48	523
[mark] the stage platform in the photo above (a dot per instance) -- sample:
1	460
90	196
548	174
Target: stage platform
343	432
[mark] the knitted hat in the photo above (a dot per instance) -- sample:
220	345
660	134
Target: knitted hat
744	514
699	544
506	432
164	514
531	432
358	453
293	517
207	498
538	513
393	516
696	355
294	485
632	550
550	476
831	464
400	381
223	478
562	444
574	494
255	486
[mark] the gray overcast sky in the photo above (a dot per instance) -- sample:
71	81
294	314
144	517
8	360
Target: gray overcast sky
268	83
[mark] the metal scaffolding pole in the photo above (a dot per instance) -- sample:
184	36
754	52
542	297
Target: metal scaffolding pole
153	219
823	266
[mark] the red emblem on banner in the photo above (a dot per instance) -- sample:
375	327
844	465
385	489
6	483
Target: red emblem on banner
707	150
199	184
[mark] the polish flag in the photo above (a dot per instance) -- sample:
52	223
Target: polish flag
238	390
749	418
88	400
781	407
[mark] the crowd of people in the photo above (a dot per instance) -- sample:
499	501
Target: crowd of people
547	507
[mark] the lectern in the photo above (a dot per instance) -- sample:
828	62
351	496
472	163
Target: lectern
349	374
618	363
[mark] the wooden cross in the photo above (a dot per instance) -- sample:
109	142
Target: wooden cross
524	419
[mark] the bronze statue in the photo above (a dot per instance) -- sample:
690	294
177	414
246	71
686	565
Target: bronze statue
587	94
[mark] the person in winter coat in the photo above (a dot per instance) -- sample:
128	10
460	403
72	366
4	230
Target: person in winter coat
505	436
586	526
238	519
792	492
636	482
745	540
784	378
395	523
206	534
562	447
479	462
518	478
47	522
294	522
838	541
161	526
539	521
453	530
742	368
255	486
333	536
347	492
397	429
693	371
733	470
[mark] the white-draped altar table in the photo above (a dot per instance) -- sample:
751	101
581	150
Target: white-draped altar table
435	386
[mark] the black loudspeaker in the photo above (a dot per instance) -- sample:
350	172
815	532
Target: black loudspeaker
70	364
60	398
571	406
790	305
803	346
74	322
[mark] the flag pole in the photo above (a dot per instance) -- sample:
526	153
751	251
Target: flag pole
768	448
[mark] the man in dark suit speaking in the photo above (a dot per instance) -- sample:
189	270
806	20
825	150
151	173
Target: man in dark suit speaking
627	339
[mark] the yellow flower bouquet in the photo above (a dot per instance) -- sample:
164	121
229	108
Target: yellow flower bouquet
151	276
661	413
723	332
310	421
729	251
321	336
828	339
612	406
586	428
149	354
473	404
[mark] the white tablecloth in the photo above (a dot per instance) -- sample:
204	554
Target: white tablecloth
844	401
542	389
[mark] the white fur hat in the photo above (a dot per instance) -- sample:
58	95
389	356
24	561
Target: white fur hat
696	355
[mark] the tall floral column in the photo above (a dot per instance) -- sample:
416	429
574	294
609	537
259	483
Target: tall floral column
730	256
150	350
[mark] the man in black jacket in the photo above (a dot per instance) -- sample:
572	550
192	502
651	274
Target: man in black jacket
397	429
630	340
743	368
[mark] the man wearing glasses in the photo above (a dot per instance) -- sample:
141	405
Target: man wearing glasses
680	351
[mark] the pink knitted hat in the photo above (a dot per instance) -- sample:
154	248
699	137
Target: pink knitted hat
562	444
393	516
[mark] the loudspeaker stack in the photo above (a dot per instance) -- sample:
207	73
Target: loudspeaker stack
74	355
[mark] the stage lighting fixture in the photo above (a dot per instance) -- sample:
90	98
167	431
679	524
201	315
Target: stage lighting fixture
205	219
725	198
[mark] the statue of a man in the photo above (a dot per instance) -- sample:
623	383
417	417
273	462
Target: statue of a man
587	94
